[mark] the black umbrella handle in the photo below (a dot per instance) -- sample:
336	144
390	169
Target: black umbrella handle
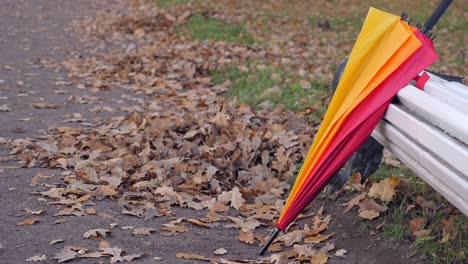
437	14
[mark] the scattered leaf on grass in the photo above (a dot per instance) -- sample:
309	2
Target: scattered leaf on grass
385	189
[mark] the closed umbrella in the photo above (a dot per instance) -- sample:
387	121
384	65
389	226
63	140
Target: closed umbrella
387	55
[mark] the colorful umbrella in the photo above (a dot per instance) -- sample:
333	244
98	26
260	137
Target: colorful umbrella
387	55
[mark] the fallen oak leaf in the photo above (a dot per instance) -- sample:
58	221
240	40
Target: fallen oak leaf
143	231
304	250
37	258
28	221
96	233
34	212
385	189
198	222
319	258
340	253
317	238
132	257
55	241
369	214
66	254
171	227
220	251
184	255
246	237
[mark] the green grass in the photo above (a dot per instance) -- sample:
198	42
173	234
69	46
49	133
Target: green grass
397	228
204	28
278	85
164	4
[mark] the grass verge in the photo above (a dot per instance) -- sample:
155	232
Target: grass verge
258	83
205	28
420	215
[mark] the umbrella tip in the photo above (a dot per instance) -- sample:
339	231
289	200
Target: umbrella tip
273	235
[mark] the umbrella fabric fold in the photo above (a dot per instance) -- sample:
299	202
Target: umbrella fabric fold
342	135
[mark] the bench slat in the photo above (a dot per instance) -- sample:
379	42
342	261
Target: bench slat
442	115
447	95
433	139
451	185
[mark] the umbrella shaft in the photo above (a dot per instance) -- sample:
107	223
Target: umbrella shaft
437	14
273	235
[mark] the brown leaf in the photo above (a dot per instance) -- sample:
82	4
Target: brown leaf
416	224
385	189
369	214
183	255
355	201
340	253
143	231
96	233
422	233
34	212
174	228
317	238
291	238
55	241
246	237
220	251
28	221
319	258
371	204
304	250
37	258
328	247
66	254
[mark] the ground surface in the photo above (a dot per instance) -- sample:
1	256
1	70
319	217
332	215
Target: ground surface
33	31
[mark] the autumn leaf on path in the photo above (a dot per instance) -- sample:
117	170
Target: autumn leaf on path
183	255
143	231
28	221
246	237
37	258
96	233
319	258
369	214
340	253
66	254
220	251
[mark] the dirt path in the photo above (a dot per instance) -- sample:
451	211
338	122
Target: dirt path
35	97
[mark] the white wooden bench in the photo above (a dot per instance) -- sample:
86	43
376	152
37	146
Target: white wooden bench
428	131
